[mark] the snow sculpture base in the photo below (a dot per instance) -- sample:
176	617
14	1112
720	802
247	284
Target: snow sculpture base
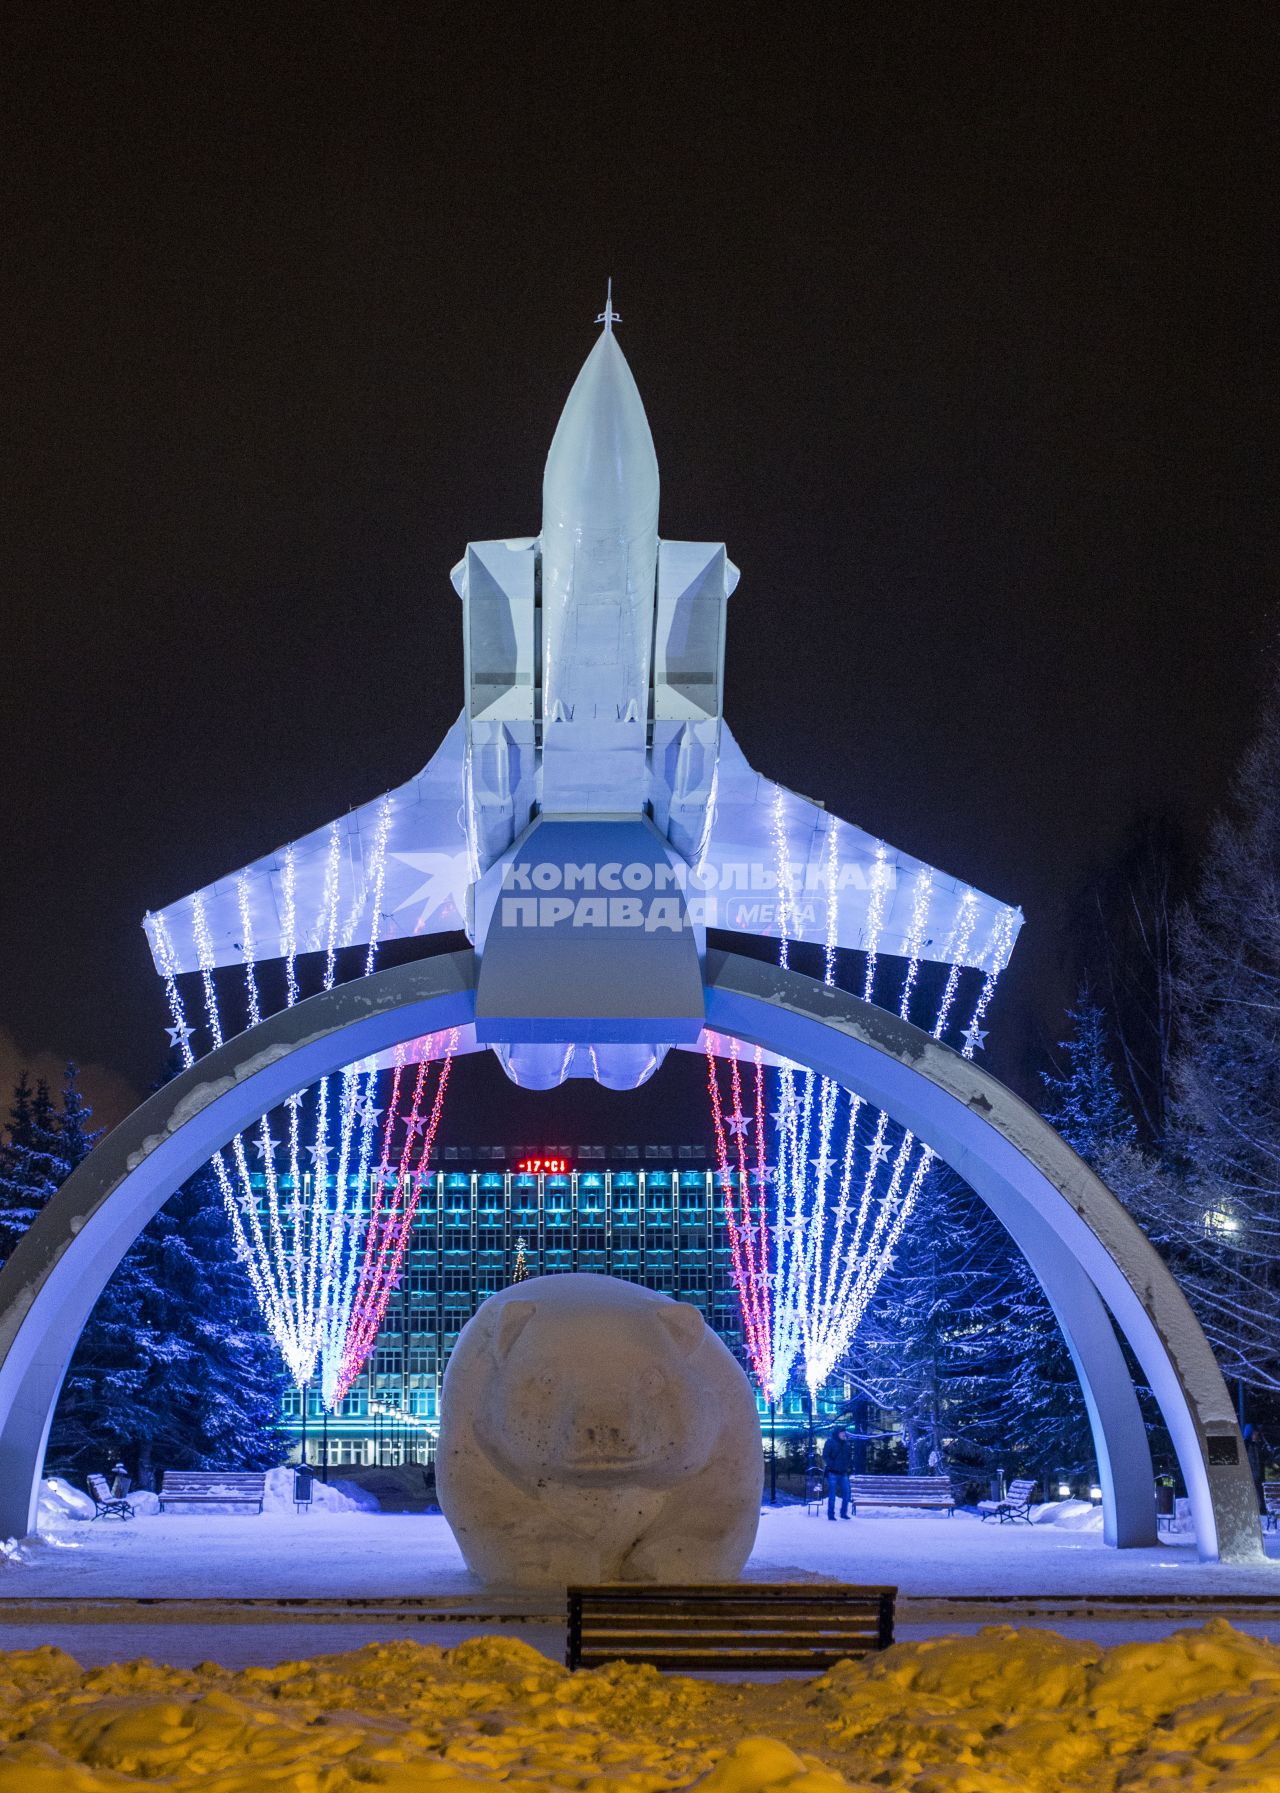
592	1430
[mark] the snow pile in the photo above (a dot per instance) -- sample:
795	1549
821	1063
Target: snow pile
326	1497
1002	1712
1070	1515
60	1503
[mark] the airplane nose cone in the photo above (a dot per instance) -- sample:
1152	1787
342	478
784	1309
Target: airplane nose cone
602	472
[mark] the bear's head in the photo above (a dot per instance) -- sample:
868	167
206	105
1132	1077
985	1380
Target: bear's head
595	1387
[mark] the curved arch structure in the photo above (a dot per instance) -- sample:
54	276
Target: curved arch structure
1090	1257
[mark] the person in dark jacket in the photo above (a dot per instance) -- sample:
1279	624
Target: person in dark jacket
837	1461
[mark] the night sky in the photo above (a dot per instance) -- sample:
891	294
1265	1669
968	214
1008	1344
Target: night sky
956	324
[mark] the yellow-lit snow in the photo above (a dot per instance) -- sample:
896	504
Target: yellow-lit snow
1001	1711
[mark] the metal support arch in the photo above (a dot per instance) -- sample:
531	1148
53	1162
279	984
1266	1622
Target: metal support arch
1082	1245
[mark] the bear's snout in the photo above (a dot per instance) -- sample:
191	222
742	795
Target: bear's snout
601	1438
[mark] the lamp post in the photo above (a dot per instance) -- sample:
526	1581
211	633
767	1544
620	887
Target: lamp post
773	1453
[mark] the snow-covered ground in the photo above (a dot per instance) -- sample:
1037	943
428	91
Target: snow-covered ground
1007	1712
397	1555
410	1562
928	1555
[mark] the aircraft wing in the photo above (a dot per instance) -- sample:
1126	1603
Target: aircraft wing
880	894
413	838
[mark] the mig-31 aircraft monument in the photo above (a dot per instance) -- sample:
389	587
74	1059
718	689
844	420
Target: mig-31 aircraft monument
584	823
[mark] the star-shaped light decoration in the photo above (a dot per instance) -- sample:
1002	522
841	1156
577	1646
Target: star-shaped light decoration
265	1146
319	1155
369	1113
443	877
975	1037
415	1123
738	1124
179	1034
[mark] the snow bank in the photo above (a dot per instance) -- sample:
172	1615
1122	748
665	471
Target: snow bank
1070	1515
326	1497
61	1503
1004	1711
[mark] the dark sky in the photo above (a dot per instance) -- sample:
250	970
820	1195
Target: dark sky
955	323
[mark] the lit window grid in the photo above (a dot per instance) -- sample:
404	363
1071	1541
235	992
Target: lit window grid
663	1228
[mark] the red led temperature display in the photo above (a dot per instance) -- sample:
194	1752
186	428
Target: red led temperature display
543	1167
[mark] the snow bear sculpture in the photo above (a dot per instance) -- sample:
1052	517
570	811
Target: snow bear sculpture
592	1430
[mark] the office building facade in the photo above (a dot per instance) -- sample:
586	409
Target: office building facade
648	1214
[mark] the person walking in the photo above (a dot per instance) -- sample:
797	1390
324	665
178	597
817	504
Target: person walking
837	1461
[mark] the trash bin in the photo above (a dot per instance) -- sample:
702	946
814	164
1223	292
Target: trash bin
302	1479
1164	1500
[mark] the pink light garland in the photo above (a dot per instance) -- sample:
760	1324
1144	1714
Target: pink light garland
391	1217
748	1233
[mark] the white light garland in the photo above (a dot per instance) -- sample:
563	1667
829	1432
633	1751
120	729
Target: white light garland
304	1263
843	1192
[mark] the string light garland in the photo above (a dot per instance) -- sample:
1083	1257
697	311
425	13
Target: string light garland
846	1181
395	1202
303	1240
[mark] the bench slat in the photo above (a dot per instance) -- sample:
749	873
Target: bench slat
785	1626
825	1615
814	1664
730	1643
213	1487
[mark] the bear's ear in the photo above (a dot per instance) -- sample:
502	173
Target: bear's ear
515	1316
685	1324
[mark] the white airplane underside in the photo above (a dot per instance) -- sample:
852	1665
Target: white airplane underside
593	660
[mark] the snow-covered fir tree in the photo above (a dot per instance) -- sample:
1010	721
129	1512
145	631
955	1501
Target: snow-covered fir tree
42	1146
1084	1101
174	1368
931	1342
962	1347
174	1364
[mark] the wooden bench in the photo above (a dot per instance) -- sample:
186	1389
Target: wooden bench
212	1488
109	1505
1015	1505
902	1491
727	1625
